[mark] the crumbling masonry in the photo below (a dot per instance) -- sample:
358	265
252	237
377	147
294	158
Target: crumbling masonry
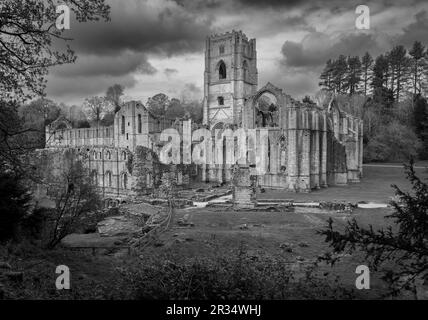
308	146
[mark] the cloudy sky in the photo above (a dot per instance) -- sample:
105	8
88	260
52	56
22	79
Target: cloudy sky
153	46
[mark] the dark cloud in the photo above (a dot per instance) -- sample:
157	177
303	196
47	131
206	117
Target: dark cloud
415	31
94	65
316	48
137	26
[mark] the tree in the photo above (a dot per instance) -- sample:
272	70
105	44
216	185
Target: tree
14	203
417	64
27	31
97	108
326	76
401	251
175	109
420	116
382	95
353	76
113	94
340	69
366	64
399	64
75	197
158	104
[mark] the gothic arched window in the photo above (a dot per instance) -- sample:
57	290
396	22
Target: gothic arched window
125	181
123	124
108	173
222	70
139	123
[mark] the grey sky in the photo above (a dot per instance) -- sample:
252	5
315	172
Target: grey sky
157	45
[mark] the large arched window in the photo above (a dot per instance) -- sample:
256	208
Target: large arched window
139	123
123	124
125	181
222	70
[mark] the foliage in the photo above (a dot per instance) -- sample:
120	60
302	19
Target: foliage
392	75
75	198
403	250
420	121
113	94
233	275
392	142
97	109
158	104
27	32
14	204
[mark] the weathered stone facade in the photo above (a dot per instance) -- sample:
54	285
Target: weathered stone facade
297	146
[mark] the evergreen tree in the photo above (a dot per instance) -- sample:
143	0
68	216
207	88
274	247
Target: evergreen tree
366	65
399	63
326	76
417	65
340	69
402	252
420	116
353	76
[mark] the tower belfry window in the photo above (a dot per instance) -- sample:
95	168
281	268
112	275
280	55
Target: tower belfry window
222	70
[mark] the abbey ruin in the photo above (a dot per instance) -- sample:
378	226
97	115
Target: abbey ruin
299	146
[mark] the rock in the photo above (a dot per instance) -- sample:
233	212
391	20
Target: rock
303	244
200	190
5	265
299	258
189	239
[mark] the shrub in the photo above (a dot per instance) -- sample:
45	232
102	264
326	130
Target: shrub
14	203
231	276
392	142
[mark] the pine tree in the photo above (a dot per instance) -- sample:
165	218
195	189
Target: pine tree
366	69
399	63
340	69
353	76
417	64
326	76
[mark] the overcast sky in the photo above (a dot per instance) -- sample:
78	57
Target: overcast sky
158	45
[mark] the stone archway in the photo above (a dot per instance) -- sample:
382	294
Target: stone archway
252	109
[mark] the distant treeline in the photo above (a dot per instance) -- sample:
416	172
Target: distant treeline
389	93
392	74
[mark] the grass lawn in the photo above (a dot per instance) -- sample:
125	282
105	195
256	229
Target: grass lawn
375	186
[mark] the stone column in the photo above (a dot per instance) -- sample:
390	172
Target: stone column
304	137
323	151
315	151
292	150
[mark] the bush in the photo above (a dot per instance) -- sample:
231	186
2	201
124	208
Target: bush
14	203
231	276
392	142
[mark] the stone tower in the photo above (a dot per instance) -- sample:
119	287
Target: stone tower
230	75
